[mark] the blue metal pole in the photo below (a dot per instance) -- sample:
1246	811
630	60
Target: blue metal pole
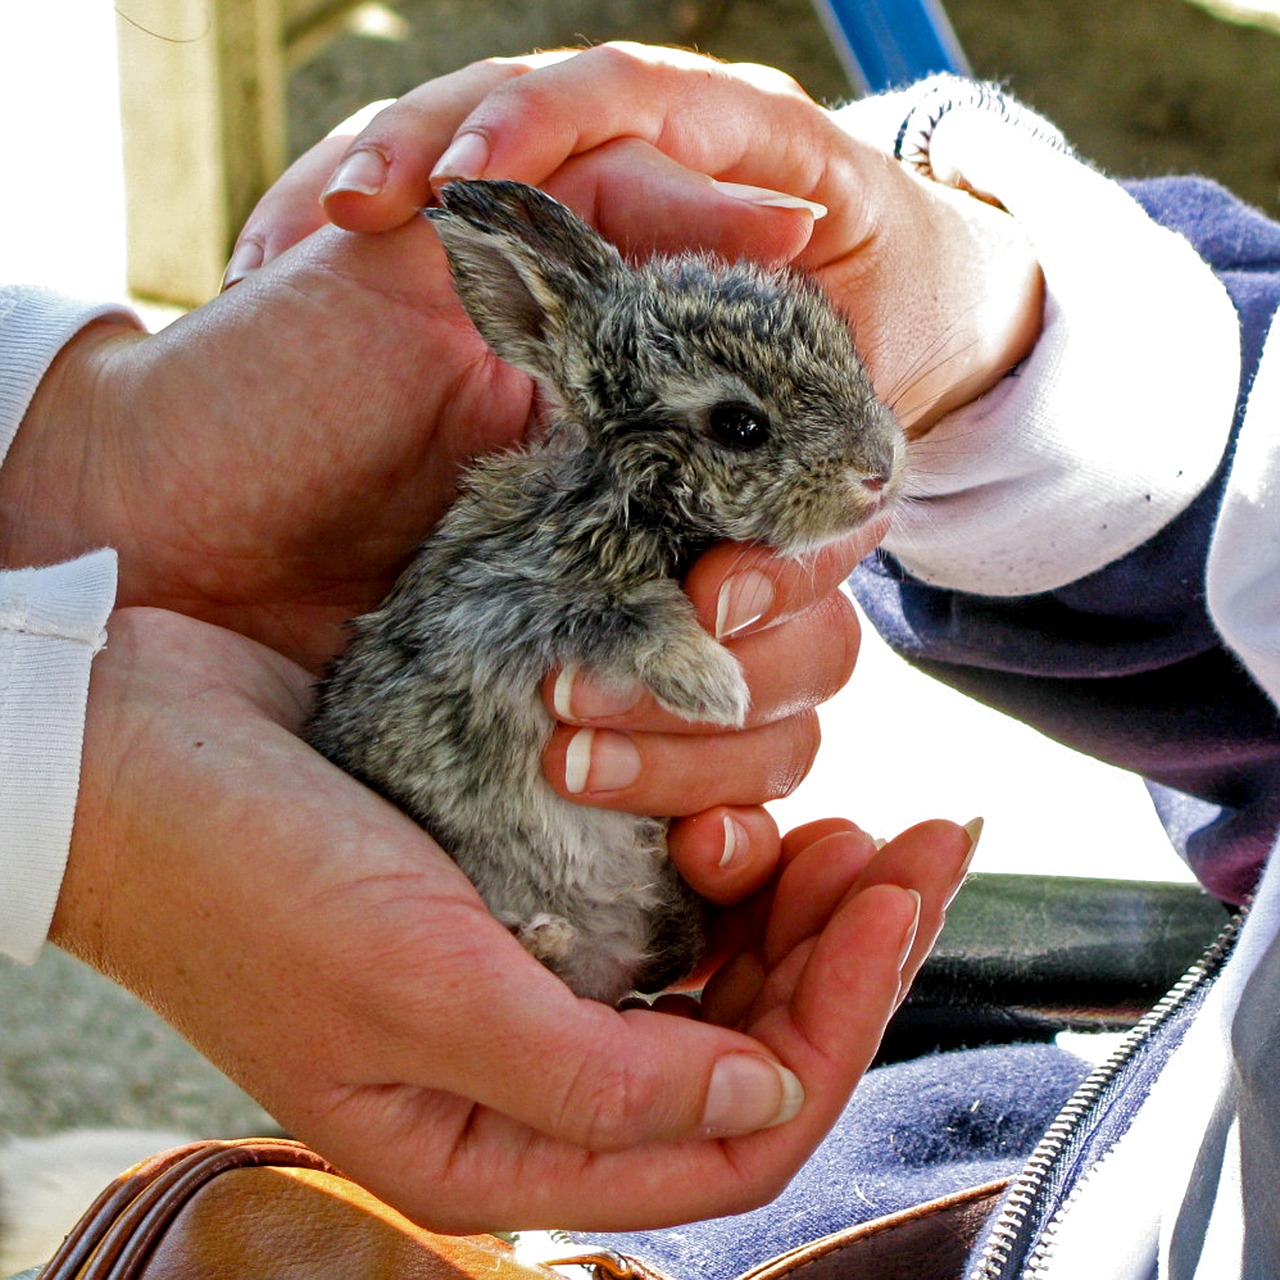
887	43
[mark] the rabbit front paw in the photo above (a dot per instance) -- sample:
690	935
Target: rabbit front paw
546	937
701	680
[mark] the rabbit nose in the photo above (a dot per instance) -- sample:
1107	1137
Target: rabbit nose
871	483
871	489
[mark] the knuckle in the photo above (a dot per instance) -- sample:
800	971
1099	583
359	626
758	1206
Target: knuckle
792	765
528	100
841	620
610	1106
498	71
618	55
770	80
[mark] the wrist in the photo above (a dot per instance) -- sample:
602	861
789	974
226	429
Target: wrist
953	300
951	287
997	318
58	486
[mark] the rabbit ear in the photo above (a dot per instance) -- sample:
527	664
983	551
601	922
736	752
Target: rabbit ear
520	260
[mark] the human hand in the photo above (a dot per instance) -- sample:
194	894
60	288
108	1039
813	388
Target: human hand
319	947
797	636
943	290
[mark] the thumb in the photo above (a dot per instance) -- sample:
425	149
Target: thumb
605	1079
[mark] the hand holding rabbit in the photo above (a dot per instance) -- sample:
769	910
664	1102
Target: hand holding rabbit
944	290
325	952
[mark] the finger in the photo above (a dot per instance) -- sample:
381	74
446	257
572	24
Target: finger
289	212
798	839
812	885
737	589
618	1079
708	115
821	865
856	962
682	208
830	861
931	858
823	1012
736	954
790	668
732	990
381	180
725	853
675	775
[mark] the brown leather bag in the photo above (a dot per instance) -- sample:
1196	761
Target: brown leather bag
266	1209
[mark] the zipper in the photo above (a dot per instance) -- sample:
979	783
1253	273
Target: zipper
1022	1231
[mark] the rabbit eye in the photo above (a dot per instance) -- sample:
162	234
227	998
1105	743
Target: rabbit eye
738	425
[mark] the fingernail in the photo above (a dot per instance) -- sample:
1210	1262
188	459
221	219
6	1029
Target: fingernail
362	172
744	598
909	937
908	941
581	696
973	829
465	157
768	198
246	257
735	840
748	1093
600	760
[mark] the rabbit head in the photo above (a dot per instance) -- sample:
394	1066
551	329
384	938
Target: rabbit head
725	396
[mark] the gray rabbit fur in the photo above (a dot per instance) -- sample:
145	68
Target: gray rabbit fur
689	401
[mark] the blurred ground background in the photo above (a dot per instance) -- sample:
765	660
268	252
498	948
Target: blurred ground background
1144	86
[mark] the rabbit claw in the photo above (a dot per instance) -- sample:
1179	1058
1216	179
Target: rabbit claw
546	937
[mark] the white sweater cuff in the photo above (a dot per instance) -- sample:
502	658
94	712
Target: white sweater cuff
35	324
51	624
1244	556
1120	415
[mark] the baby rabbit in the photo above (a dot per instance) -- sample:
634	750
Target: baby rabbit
689	401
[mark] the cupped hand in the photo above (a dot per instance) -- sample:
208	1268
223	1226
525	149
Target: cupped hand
322	950
944	291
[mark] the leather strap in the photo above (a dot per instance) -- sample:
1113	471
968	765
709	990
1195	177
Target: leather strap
270	1210
927	1242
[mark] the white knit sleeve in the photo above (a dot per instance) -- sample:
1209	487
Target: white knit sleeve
1244	556
1120	415
52	622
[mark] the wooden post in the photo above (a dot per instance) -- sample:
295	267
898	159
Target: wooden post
202	102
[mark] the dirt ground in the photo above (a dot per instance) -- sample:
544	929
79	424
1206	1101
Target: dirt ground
1142	87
